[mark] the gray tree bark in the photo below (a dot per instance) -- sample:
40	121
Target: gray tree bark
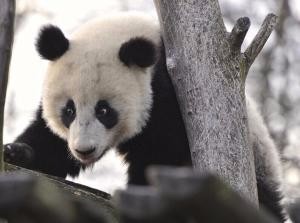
208	71
7	15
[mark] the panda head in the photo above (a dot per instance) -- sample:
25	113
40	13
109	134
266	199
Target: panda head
97	91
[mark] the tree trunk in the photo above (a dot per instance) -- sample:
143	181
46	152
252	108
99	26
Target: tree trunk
208	72
7	15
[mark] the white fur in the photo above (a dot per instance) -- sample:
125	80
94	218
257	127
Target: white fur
91	71
268	165
267	159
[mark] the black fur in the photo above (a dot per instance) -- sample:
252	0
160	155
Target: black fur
163	142
68	113
269	197
51	154
51	43
106	114
19	154
138	51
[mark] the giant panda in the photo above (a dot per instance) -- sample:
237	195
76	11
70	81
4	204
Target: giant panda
107	86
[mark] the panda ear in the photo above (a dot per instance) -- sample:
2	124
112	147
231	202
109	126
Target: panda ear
138	51
51	43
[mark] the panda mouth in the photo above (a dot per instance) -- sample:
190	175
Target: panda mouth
91	158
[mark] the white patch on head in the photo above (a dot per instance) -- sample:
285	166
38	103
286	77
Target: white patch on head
91	71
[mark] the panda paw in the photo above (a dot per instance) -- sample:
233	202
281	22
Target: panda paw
19	154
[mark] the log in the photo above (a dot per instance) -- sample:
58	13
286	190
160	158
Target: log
28	196
180	195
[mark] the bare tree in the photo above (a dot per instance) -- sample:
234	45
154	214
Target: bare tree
208	71
7	14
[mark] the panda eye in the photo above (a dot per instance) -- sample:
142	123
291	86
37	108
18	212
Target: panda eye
102	109
106	114
102	112
68	113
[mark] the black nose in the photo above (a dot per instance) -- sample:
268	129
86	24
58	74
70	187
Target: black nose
86	152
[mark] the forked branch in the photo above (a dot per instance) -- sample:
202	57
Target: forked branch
260	39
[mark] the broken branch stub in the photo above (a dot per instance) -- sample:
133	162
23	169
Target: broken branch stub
238	33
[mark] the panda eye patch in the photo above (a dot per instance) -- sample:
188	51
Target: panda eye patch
106	114
68	113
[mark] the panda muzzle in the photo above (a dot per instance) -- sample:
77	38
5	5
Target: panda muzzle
86	152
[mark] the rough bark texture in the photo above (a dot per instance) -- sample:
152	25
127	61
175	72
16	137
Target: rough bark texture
179	194
7	14
208	72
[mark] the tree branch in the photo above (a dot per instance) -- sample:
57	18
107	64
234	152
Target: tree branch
260	39
7	15
38	197
238	33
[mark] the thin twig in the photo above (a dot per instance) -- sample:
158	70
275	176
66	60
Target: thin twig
7	15
260	39
238	33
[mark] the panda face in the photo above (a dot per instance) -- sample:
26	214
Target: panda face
87	127
98	93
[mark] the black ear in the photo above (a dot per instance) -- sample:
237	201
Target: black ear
51	43
138	51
